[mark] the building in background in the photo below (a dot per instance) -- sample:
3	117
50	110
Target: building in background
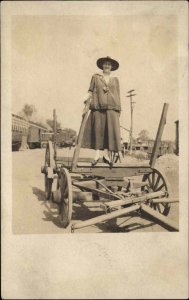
26	134
35	135
20	128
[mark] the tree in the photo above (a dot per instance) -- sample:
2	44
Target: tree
70	131
28	111
51	124
143	135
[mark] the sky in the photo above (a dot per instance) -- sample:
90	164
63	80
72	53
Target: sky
54	57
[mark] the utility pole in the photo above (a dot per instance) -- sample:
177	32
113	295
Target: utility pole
130	95
55	131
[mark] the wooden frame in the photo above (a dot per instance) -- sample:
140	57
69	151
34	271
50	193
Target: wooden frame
99	180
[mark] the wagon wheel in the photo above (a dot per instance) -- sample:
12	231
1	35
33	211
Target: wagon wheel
49	162
156	181
64	189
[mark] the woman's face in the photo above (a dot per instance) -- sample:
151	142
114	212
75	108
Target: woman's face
107	66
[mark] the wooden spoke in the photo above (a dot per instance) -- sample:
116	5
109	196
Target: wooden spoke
157	182
158	206
150	182
153	179
160	187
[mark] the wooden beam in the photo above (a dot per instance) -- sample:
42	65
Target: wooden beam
116	165
80	159
86	162
105	217
159	135
116	173
165	200
164	221
80	138
130	200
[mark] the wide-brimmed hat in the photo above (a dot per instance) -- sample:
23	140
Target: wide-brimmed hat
102	60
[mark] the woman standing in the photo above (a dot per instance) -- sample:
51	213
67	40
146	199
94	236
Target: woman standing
102	131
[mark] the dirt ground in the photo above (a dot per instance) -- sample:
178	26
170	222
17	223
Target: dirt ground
31	213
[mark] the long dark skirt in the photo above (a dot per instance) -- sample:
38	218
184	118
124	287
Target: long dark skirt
102	131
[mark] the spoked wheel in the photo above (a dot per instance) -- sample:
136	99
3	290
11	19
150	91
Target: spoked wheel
156	181
49	162
64	195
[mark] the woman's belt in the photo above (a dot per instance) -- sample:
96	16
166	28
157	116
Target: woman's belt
105	107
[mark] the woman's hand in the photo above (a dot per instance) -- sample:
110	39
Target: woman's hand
88	97
85	110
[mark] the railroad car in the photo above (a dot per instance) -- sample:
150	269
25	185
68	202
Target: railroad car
34	135
20	128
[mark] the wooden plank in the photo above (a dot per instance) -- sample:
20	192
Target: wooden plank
117	165
114	173
86	162
159	135
114	204
167	200
80	159
111	174
105	217
80	137
164	221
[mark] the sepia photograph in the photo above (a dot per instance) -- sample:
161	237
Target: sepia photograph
95	124
94	149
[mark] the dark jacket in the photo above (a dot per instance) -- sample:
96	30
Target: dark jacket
105	96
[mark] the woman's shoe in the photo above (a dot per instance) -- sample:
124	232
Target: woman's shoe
107	161
94	162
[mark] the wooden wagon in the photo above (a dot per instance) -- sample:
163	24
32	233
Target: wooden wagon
119	190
